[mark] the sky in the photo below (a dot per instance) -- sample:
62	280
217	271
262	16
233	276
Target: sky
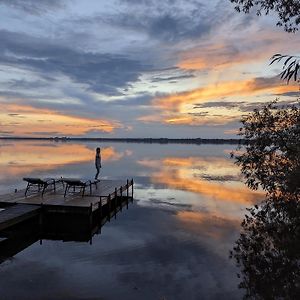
136	68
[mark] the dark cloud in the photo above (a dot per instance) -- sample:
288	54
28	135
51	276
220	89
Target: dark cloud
289	94
168	21
224	178
219	104
242	106
35	7
102	73
166	27
26	84
200	114
265	82
172	78
17	95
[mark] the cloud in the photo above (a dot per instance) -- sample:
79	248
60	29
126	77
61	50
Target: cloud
26	84
142	100
30	122
290	94
35	7
101	72
169	21
179	108
174	102
173	78
219	104
223	52
242	105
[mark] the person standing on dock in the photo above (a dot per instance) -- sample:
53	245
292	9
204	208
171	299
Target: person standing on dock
98	162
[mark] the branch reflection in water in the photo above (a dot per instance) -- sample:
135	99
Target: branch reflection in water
268	249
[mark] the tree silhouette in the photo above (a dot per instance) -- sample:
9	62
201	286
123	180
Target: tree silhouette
288	11
268	249
271	156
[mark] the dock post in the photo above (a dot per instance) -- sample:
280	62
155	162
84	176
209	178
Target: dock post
127	193
91	217
100	212
132	189
41	223
116	202
109	206
121	192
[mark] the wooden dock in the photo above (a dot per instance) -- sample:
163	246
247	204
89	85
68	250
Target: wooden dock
104	199
17	213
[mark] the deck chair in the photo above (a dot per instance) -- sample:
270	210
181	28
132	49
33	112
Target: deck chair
40	184
77	184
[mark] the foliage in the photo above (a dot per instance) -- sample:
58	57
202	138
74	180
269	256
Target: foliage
268	250
271	158
288	11
290	66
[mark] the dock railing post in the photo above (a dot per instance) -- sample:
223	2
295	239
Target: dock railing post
127	193
132	189
116	202
100	212
91	216
41	222
121	195
109	206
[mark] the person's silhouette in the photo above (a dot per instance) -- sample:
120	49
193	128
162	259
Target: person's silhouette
98	162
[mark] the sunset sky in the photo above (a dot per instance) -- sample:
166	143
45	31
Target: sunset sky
136	68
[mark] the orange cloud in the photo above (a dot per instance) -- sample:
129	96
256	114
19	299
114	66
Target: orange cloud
25	120
229	52
191	119
176	102
178	108
186	119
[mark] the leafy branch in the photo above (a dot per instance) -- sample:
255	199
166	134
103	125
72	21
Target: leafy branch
288	11
290	66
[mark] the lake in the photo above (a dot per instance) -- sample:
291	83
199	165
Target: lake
172	243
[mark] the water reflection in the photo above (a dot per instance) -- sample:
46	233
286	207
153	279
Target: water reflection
268	250
22	158
57	226
215	178
173	243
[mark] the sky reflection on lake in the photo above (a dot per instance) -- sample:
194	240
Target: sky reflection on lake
172	243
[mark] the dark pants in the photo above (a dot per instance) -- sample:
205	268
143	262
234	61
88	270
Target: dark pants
98	171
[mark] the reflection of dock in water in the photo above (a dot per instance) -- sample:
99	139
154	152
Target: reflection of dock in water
26	220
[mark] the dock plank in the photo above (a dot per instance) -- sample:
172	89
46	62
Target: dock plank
16	214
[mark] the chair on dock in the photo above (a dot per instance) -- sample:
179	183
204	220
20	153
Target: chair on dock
40	184
78	183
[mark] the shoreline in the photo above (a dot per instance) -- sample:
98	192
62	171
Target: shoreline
196	141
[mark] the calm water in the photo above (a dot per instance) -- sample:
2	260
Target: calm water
172	243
